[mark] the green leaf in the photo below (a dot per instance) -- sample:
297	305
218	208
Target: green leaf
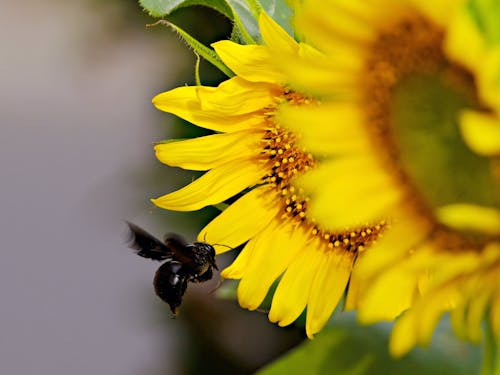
240	30
281	12
345	348
244	13
228	290
248	10
161	8
255	7
248	21
491	351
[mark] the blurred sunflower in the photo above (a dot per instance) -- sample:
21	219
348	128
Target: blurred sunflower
407	128
256	155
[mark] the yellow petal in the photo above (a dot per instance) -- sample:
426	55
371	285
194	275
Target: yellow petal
318	74
481	132
342	192
335	168
479	58
237	96
417	324
353	22
458	322
292	293
450	266
185	103
203	153
251	62
403	336
340	30
489	78
328	286
476	313
333	129
271	256
321	27
463	32
469	217
401	236
441	11
390	295
213	187
354	293
355	213
435	306
274	36
237	269
242	220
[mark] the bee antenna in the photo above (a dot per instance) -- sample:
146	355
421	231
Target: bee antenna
219	283
214	244
262	311
219	244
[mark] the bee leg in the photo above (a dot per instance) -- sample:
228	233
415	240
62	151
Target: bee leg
219	283
207	275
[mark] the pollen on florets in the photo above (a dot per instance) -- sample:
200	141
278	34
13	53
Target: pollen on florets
295	98
352	241
284	161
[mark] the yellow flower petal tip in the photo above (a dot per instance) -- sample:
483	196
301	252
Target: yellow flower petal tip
274	36
467	217
481	132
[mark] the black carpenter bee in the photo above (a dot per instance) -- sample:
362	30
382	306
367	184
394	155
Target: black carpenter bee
183	263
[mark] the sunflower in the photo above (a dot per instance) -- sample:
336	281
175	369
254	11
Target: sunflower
407	128
255	157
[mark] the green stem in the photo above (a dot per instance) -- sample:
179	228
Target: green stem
491	352
197	70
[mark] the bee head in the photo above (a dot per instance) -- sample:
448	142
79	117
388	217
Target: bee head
209	252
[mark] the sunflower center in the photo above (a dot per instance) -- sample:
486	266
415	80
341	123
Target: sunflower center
413	98
285	161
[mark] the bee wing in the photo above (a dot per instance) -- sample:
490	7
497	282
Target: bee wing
146	245
175	240
182	251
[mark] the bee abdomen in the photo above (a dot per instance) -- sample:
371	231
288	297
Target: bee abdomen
170	283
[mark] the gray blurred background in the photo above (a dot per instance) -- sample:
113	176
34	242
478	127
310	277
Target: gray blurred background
76	160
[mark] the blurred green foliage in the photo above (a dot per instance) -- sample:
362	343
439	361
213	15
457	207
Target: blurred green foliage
485	14
349	349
